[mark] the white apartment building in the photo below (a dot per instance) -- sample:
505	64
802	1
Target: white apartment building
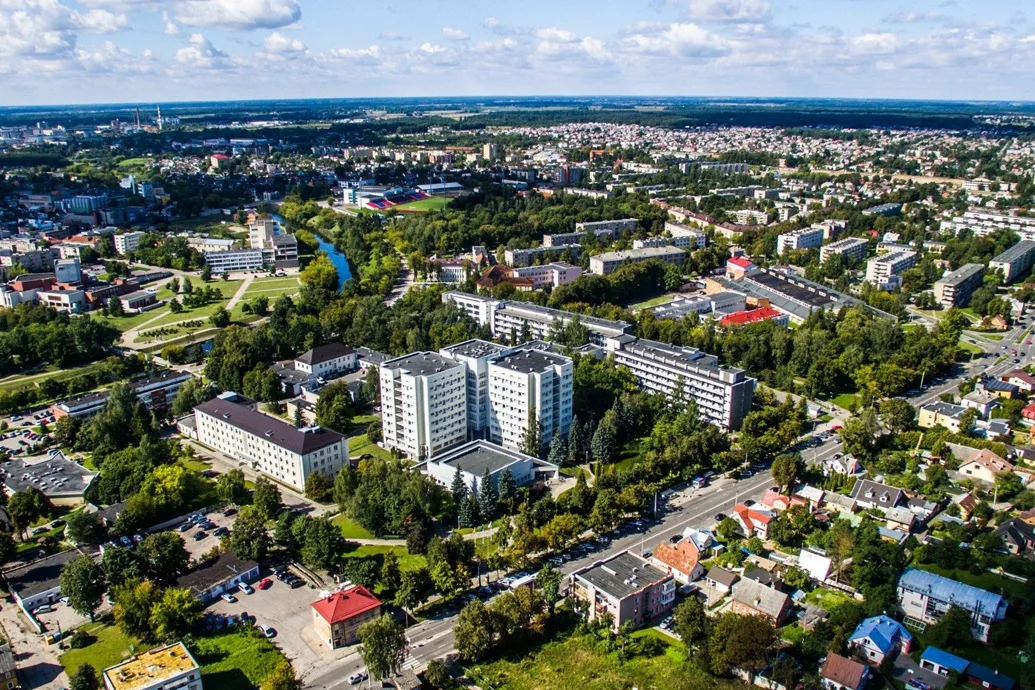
525	257
475	356
884	271
609	262
234	260
614	227
685	237
802	238
1015	261
723	395
527	387
747	216
985	221
325	360
850	248
260	233
954	289
269	445
555	274
423	404
127	242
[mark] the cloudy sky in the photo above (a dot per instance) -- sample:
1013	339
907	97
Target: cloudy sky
102	51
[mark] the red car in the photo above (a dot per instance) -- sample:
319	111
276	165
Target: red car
265	583
836	428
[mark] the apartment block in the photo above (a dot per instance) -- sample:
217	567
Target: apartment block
1015	261
884	271
269	445
554	274
926	597
850	249
684	236
803	238
475	355
529	387
517	258
723	395
234	260
127	242
625	587
954	289
423	403
985	221
609	262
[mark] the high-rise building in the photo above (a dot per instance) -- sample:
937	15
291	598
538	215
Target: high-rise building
489	151
529	388
423	403
476	355
127	242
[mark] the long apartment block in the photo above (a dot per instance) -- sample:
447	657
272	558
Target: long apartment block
423	403
849	248
1015	261
723	395
602	230
954	289
984	221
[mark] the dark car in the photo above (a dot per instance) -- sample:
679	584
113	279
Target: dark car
296	583
229	511
675	537
719	517
198	536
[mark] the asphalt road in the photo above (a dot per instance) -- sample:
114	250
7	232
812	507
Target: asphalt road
434	638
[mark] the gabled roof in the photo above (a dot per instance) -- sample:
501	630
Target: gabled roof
875	492
1019	374
943	658
991	676
990	461
722	576
751	518
345	604
682	557
740	318
324	353
882	631
760	598
1017	532
843	671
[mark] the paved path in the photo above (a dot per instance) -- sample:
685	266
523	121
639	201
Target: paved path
240	292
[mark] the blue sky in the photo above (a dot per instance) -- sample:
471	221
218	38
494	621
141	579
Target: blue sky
89	51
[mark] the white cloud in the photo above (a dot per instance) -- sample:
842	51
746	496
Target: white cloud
110	58
912	17
555	35
279	44
368	56
392	36
595	48
170	26
240	15
199	52
454	34
49	29
683	40
730	11
875	43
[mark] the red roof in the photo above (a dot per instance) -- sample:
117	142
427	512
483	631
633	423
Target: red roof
346	604
1029	411
740	261
845	672
739	318
683	557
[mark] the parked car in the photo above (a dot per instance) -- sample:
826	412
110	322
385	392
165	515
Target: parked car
229	511
265	583
185	527
267	631
198	536
246	588
46	608
296	583
719	517
220	531
228	598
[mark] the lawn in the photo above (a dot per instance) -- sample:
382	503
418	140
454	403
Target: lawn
848	401
987	581
124	323
407	561
969	347
201	313
576	664
828	599
109	648
653	302
361	445
352	530
435	203
15	382
632	454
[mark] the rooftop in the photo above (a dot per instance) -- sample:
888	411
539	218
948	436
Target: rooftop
324	353
150	668
214	571
531	361
882	631
54	475
946	589
645	253
302	441
961	274
621	575
475	457
39	576
843	671
1015	252
474	349
760	597
345	604
420	364
943	658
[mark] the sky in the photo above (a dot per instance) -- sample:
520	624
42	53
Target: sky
109	51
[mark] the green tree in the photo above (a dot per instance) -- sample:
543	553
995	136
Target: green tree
787	467
192	393
174	614
82	581
282	677
84	678
739	642
415	586
84	528
604	445
134	600
25	507
335	409
248	538
164	557
382	644
221	318
473	632
436	675
318	487
507	491
390	573
532	439
691	622
728	530
8	547
951	630
487	497
230	487
897	414
548	582
206	275
266	498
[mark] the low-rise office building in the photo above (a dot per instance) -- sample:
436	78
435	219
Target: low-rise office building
164	668
269	445
1015	261
37	583
326	360
234	260
423	403
138	301
517	258
210	579
553	274
625	587
338	616
955	288
684	236
609	262
473	458
156	393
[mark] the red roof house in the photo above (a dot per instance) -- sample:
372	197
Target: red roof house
682	559
337	617
753	522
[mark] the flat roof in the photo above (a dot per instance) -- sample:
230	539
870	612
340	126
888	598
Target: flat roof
475	457
301	441
54	475
213	572
1015	252
792	290
529	361
621	575
40	576
421	363
475	349
645	253
150	668
961	274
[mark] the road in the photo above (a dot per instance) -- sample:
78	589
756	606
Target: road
433	639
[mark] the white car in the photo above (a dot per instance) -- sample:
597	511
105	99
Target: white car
246	588
228	598
357	678
267	631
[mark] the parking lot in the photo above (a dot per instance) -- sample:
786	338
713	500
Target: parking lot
17	441
199	541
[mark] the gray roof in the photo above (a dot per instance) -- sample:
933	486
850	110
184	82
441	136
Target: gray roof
421	363
877	493
946	409
54	475
214	572
1015	252
272	429
759	597
372	356
477	456
645	253
324	353
614	576
474	349
961	274
531	361
722	576
945	589
39	576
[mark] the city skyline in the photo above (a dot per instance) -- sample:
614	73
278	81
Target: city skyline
105	51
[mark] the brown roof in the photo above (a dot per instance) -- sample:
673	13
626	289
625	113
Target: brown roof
272	429
843	671
990	461
681	557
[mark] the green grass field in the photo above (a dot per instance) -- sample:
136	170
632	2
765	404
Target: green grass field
848	401
407	561
361	445
653	302
632	454
124	323
350	529
49	372
828	599
270	288
969	348
109	648
435	203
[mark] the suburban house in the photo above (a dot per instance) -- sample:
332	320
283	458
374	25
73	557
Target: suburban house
753	522
926	596
774	500
682	559
1000	389
941	413
871	494
816	565
984	466
625	587
845	464
981	401
337	617
720	579
1021	379
752	598
841	673
1018	536
880	636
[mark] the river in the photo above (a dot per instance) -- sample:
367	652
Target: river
336	257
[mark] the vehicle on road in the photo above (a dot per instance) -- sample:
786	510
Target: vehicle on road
719	517
357	678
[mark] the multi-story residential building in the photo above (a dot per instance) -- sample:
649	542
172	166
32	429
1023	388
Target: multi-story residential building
940	413
723	395
517	258
269	445
476	355
849	249
529	388
884	271
127	242
609	262
985	221
954	289
85	204
655	241
603	230
926	597
338	616
554	274
234	260
325	360
1015	261
508	320
748	216
423	403
625	587
473	458
164	668
684	236
802	238
156	393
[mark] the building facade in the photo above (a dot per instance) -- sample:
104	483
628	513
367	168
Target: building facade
325	360
626	588
955	288
473	458
234	260
529	388
926	597
609	262
338	616
850	248
1015	261
475	355
423	403
802	238
884	271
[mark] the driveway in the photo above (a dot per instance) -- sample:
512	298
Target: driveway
906	669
